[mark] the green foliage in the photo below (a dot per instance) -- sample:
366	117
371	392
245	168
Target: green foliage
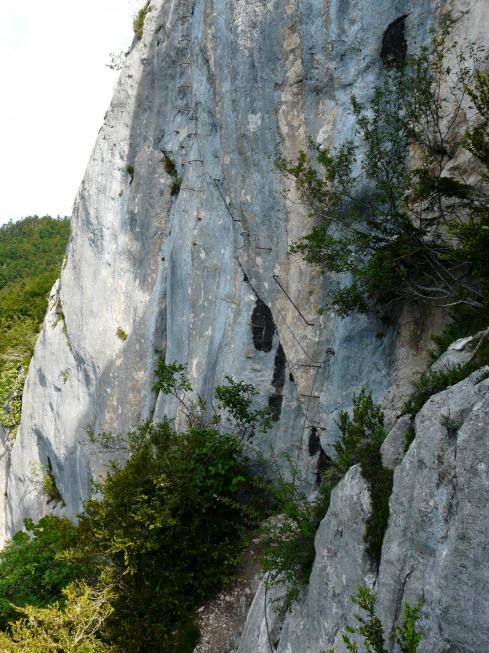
31	569
288	540
130	171
138	23
12	378
31	251
169	525
236	397
43	477
387	227
364	429
30	247
380	481
171	379
361	437
71	627
171	170
188	638
405	634
370	629
121	334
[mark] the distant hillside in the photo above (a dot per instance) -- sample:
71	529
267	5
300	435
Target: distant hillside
31	253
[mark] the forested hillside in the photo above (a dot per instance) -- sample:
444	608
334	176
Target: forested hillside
31	253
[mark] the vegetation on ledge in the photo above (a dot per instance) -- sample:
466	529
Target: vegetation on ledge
391	227
138	23
155	541
288	542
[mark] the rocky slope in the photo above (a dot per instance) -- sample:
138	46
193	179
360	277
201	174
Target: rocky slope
213	93
434	548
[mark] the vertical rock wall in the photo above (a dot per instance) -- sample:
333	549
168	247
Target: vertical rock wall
218	89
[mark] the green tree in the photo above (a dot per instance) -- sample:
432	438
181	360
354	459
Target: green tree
395	229
236	398
360	440
32	570
31	251
169	525
288	551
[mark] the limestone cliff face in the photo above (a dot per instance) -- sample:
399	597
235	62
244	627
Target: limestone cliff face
219	88
434	548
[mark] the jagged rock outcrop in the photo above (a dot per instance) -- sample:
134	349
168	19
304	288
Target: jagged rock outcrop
435	547
341	564
180	241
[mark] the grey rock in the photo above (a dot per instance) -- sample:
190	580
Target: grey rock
458	353
220	88
435	545
316	621
263	624
434	548
394	446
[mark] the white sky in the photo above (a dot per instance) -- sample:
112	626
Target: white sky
55	92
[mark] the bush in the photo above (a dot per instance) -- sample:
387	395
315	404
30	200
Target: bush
12	378
31	569
403	233
43	477
236	398
360	440
371	630
288	541
71	627
138	23
171	170
169	525
432	381
121	334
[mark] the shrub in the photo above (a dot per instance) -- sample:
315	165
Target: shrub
171	379
360	440
43	477
71	627
171	170
371	630
31	251
121	334
288	541
170	525
236	398
403	233
138	23
31	569
432	381
130	171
